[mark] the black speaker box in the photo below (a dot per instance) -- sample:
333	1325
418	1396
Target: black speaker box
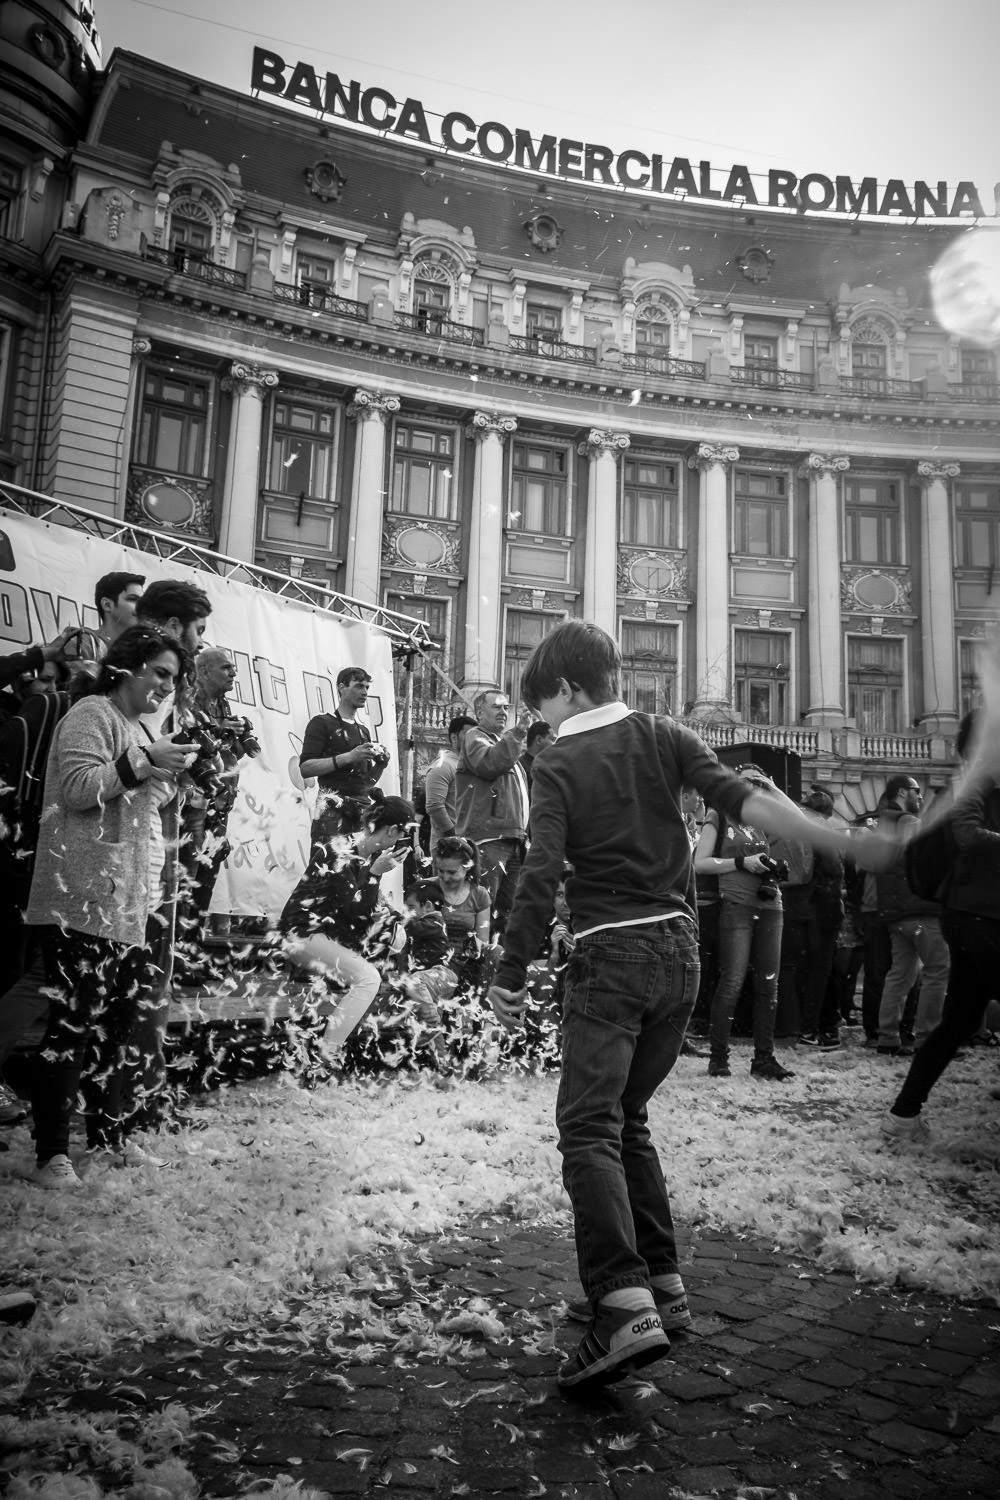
783	766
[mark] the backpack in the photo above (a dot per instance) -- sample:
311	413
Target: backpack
929	858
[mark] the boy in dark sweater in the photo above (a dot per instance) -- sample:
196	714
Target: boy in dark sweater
607	797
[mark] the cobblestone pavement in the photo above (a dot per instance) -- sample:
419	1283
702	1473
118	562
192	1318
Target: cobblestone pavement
797	1384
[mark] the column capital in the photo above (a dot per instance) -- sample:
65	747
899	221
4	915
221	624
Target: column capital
372	404
931	472
486	424
815	464
141	347
707	454
597	442
249	380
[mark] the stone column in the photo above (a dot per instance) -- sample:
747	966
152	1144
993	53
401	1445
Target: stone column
937	598
601	556
711	684
140	348
481	666
241	486
826	654
363	552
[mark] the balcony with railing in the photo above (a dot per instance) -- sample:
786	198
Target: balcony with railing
436	326
320	299
664	365
882	386
975	390
185	262
759	372
542	346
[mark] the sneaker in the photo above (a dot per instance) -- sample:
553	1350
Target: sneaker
771	1069
675	1315
12	1109
131	1154
17	1307
688	1050
718	1067
57	1172
904	1050
809	1039
904	1128
618	1341
829	1041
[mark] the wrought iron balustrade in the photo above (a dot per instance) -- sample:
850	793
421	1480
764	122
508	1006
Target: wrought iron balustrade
543	347
437	326
664	364
976	390
186	263
881	385
320	299
769	377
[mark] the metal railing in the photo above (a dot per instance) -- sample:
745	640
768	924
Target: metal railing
975	390
320	299
769	377
882	386
543	347
184	263
436	326
664	364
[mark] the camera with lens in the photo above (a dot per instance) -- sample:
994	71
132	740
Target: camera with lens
207	764
242	734
777	870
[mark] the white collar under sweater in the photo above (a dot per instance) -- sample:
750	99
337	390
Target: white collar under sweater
594	718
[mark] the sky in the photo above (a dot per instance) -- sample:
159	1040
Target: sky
886	88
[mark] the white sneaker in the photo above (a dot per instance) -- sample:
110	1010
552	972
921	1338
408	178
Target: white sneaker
12	1109
57	1172
903	1128
134	1155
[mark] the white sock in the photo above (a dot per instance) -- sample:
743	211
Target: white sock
632	1297
671	1284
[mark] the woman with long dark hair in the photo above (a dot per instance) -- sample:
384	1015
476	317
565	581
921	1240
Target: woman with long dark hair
97	878
337	909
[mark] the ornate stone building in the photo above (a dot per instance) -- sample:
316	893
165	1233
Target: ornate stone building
737	439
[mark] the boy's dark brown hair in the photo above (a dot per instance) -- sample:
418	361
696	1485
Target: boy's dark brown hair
582	653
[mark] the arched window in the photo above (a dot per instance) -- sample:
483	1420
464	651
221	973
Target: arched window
870	343
192	232
654	323
433	289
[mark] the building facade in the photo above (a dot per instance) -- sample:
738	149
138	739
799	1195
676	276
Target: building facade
736	439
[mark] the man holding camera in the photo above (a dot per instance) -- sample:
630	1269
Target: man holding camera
341	754
223	739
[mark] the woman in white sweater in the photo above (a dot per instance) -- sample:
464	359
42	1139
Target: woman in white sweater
97	872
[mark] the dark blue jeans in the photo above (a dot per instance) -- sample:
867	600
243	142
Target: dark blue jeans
746	931
629	994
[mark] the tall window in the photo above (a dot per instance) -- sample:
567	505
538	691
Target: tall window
522	633
427	687
543	325
977	525
10	190
969	696
649	666
760	514
650	501
760	671
538	491
173	425
758	350
869	366
652	332
317	279
872	521
875	684
431	297
190	234
302	447
423	472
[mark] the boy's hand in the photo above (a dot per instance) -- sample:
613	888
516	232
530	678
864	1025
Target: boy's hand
508	1005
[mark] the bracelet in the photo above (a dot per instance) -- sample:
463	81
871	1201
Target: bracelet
739	861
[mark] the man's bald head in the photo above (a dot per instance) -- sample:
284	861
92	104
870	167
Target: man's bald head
216	672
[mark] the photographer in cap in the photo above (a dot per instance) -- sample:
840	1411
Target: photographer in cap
224	739
341	754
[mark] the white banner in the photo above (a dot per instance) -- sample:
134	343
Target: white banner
287	657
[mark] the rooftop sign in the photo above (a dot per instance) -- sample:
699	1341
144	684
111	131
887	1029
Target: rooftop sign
581	161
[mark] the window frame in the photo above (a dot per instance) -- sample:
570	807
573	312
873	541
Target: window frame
963	514
669	539
854	510
900	688
516	471
662	702
778	513
156	408
775	677
512	666
278	429
435	462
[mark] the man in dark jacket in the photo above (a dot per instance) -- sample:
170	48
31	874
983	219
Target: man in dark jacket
970	921
492	798
918	945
